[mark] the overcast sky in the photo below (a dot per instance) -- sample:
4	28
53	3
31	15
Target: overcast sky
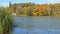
6	2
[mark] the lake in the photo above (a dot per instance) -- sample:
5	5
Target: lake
36	25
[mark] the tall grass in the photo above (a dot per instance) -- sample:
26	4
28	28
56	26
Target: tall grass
5	22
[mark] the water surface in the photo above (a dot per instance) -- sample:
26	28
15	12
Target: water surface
37	25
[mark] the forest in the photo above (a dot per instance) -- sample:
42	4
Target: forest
32	9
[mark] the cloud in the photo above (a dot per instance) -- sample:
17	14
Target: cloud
53	1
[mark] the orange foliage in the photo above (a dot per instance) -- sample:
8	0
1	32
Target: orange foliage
42	7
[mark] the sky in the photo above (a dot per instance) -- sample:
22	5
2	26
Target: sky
6	2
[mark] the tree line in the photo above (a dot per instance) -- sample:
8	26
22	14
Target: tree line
32	9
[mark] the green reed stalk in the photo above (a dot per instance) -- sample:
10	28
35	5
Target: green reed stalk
5	22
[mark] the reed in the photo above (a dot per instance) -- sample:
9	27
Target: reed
5	22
